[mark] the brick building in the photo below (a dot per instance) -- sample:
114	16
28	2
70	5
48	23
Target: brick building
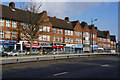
57	35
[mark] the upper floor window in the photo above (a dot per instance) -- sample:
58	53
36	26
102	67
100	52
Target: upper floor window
40	28
1	22
44	38
14	36
71	40
48	29
111	42
61	39
1	34
80	41
40	37
7	23
57	31
76	33
94	36
65	32
76	40
61	31
23	25
80	34
8	34
108	45
65	39
108	40
14	24
86	34
68	32
71	33
44	28
53	38
57	38
114	42
48	38
54	30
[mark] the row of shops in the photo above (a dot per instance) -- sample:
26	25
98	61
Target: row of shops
9	45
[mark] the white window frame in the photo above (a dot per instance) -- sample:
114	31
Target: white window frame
54	30
57	31
66	32
40	28
8	34
8	23
1	22
44	28
66	39
1	34
48	38
48	29
71	33
44	38
40	37
61	39
14	24
61	31
71	40
54	39
80	34
14	35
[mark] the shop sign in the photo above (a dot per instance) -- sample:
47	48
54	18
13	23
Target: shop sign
7	42
68	45
79	46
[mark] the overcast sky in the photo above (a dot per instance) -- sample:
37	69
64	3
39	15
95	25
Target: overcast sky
105	12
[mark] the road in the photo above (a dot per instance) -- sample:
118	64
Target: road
93	67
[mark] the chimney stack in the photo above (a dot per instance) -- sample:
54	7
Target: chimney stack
12	4
67	19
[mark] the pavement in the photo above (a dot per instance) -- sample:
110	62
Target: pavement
89	67
7	60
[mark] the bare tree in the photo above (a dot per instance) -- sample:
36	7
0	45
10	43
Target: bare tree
30	30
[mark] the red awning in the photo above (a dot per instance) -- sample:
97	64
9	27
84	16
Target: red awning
35	45
57	47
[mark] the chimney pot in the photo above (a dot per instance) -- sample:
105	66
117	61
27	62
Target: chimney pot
67	19
12	4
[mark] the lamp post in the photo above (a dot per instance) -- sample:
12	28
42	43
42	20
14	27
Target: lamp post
92	20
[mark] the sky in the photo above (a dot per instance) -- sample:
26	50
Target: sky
106	13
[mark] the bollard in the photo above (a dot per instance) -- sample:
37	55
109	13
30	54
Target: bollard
67	56
17	60
37	59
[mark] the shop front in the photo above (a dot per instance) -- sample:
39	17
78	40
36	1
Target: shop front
95	48
78	48
7	45
69	48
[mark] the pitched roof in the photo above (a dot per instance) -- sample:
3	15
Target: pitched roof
59	23
112	37
83	24
16	14
74	23
102	34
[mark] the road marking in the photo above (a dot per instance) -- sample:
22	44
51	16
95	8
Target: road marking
60	73
105	65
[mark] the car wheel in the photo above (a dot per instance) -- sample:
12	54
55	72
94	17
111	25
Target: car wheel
15	55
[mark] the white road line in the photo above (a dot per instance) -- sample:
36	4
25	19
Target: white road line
60	73
105	65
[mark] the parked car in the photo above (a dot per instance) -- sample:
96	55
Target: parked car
14	53
48	51
33	52
22	52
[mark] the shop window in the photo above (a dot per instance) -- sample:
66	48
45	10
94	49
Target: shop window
14	24
1	22
1	34
7	34
7	23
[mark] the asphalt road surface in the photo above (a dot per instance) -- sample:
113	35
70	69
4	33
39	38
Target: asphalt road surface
92	67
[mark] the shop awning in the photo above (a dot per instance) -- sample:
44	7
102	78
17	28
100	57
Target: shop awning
35	45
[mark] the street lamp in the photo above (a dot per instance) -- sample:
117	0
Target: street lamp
92	20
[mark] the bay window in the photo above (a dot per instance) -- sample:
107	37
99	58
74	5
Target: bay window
14	24
8	34
7	23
